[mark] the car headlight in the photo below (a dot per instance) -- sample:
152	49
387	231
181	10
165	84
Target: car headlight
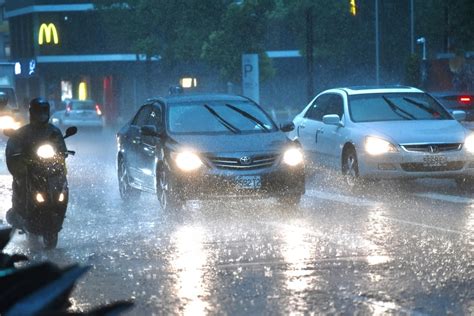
293	157
377	146
187	161
46	151
8	122
39	198
469	143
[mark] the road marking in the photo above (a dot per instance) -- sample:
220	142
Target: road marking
424	225
343	198
446	198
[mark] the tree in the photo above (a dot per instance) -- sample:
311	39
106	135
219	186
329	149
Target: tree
243	31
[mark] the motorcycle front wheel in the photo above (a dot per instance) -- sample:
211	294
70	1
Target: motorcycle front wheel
50	240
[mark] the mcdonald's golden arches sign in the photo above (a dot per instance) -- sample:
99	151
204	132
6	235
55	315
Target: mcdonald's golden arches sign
47	34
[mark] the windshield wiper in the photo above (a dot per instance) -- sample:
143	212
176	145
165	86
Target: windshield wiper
249	116
221	120
395	108
421	106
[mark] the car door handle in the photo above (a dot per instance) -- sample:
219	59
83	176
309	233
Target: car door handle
302	125
320	131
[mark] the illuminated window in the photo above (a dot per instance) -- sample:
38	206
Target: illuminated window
82	91
66	90
188	82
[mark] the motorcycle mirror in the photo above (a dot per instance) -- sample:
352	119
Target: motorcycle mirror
70	131
8	132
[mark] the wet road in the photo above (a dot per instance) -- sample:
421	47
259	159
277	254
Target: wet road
402	249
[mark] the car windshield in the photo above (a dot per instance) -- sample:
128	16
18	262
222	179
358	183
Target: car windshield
395	107
218	117
83	105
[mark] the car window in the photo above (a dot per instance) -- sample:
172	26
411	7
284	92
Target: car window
218	117
318	108
395	107
82	105
155	118
142	116
335	105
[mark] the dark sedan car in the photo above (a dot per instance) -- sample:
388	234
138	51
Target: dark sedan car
207	146
455	101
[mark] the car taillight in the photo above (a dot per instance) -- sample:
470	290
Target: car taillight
465	99
97	109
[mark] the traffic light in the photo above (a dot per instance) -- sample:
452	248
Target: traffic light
353	7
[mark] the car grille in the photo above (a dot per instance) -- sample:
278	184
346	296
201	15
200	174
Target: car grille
432	148
420	167
256	162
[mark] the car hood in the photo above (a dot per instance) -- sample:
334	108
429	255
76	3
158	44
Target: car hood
258	142
406	132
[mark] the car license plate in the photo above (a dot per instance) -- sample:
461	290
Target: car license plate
435	161
248	182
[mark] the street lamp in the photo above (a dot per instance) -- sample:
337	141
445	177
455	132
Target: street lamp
422	41
424	66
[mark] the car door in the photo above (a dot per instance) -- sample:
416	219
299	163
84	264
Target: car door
134	139
310	126
149	146
330	137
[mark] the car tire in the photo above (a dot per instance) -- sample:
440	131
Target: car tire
289	200
350	171
465	184
168	198
127	192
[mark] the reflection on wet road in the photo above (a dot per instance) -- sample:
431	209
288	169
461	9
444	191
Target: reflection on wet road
395	250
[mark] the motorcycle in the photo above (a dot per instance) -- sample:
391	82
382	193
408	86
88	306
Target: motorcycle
47	192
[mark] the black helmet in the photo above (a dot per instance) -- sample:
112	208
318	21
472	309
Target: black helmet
39	111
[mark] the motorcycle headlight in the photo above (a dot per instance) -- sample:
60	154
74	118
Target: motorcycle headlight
293	157
469	143
61	197
8	122
376	146
187	161
46	151
39	198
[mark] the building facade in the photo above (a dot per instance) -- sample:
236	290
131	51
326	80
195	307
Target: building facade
63	51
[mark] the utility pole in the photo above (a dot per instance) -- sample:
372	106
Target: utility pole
412	27
377	44
309	53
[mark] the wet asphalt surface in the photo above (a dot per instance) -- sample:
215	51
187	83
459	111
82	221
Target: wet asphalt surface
398	248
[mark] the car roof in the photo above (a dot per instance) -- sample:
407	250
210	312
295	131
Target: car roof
356	90
449	93
199	97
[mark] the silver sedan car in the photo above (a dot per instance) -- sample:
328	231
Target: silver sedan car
385	133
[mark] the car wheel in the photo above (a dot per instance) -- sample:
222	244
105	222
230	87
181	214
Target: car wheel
126	190
290	200
350	170
169	200
465	184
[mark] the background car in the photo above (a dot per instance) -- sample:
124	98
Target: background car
207	146
385	133
455	100
80	113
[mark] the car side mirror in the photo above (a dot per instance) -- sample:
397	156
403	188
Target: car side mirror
288	127
149	130
459	115
332	119
70	131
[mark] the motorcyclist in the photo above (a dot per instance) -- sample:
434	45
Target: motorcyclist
20	146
